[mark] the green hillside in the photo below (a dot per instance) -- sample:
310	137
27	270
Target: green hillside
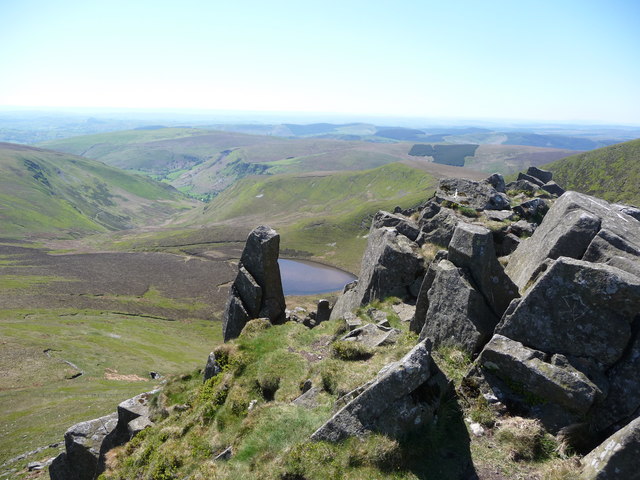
612	173
323	214
55	193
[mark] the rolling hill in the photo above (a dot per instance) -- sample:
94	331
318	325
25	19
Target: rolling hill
55	193
612	173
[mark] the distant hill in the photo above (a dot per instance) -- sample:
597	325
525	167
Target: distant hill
612	173
44	191
554	141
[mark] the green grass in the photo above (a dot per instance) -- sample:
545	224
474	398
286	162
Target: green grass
40	403
612	173
59	194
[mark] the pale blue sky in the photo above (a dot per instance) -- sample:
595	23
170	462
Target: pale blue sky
544	60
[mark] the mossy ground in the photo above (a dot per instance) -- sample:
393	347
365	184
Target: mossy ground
249	408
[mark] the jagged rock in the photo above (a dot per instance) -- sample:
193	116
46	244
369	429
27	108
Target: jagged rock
403	225
576	308
627	210
404	396
458	314
391	263
530	179
617	457
212	367
439	228
471	247
553	188
136	408
422	301
323	311
549	388
372	335
478	195
257	289
496	180
544	176
83	443
522	186
569	229
499	215
533	208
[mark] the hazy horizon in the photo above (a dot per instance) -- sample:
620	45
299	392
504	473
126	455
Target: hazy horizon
571	62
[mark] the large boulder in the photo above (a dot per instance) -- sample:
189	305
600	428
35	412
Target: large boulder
404	397
83	443
617	457
578	309
422	301
390	265
472	248
372	335
478	195
257	289
540	385
543	175
581	227
458	314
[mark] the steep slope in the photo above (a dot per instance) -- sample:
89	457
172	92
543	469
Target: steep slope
44	191
612	173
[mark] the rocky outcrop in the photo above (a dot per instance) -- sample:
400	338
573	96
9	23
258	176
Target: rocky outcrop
457	312
83	444
472	248
581	227
566	352
257	289
617	457
212	368
405	396
390	265
468	193
87	443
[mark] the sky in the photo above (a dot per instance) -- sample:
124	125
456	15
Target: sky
561	60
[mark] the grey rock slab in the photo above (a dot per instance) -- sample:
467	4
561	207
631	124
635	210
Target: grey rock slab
235	316
478	195
522	186
323	311
458	314
472	248
83	443
529	178
553	188
554	381
372	335
308	399
249	292
391	263
576	308
617	458
532	209
405	395
629	210
543	175
567	230
422	301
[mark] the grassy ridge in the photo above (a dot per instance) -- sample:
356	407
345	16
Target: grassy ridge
44	191
612	173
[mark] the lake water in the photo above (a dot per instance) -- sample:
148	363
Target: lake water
301	277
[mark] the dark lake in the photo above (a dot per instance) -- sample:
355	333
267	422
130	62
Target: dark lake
301	277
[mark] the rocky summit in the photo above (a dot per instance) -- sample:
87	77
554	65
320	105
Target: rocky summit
537	287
